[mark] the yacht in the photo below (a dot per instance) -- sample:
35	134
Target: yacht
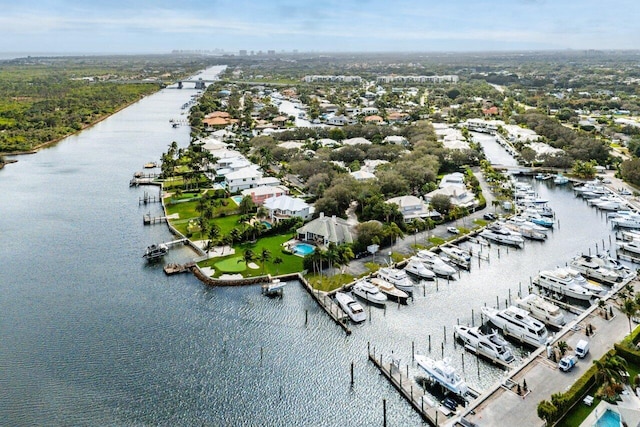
434	263
630	246
397	278
627	219
458	256
560	281
541	309
418	269
491	345
443	373
155	251
560	179
369	292
590	189
591	269
352	307
502	235
519	324
526	231
389	290
535	217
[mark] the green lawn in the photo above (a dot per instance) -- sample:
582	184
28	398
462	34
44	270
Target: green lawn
226	223
233	264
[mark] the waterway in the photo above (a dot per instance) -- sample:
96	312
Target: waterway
93	335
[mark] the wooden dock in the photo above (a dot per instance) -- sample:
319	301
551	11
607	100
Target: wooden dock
146	199
147	219
328	305
410	390
170	269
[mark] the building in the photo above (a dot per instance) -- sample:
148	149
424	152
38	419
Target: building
242	179
456	178
284	207
356	141
460	196
412	207
362	175
259	195
395	139
324	230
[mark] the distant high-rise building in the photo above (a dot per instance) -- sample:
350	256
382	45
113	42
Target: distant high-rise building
271	52
242	52
295	51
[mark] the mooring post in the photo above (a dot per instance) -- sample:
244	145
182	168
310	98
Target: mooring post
351	374
497	303
509	295
472	318
306	317
413	350
384	412
429	343
442	347
462	354
445	333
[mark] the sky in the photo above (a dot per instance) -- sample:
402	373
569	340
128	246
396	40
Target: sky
160	26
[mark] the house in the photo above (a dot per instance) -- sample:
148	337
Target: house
356	141
328	142
374	119
362	175
460	196
370	111
242	179
455	178
284	206
261	194
324	230
491	111
397	117
412	207
338	121
395	139
267	180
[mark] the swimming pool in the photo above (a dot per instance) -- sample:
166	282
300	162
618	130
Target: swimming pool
237	199
267	224
609	419
303	249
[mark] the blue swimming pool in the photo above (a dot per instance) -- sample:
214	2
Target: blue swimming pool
609	419
303	249
267	224
237	199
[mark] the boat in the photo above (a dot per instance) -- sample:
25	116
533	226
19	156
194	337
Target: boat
273	287
626	219
632	246
418	269
516	322
443	373
560	179
150	165
521	221
503	236
397	278
434	263
458	256
526	231
369	292
541	309
586	265
156	251
535	217
490	345
560	281
590	189
353	308
392	293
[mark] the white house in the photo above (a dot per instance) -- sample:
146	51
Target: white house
324	230
413	207
362	175
242	179
395	139
456	178
460	196
328	142
282	207
356	141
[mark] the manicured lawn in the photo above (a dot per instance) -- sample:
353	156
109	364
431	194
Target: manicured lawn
579	412
233	264
329	283
226	223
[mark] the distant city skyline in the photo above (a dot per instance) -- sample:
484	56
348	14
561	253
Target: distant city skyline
142	26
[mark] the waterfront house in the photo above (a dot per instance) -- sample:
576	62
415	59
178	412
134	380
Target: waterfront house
262	193
460	196
412	207
242	179
324	230
455	178
284	206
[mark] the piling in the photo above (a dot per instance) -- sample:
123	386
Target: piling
351	374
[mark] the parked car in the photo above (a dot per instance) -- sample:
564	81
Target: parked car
450	403
489	216
453	230
567	363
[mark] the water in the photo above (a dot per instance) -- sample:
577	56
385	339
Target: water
303	249
609	419
494	151
93	335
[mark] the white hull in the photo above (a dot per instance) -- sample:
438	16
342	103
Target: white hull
418	269
490	345
354	310
518	324
369	293
441	372
559	283
541	309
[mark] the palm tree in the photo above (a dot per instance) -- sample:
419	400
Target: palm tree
247	257
225	240
235	235
277	261
263	257
608	369
629	308
394	232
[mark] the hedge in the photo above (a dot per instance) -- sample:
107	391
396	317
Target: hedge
630	354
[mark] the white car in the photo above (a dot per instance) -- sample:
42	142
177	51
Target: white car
453	230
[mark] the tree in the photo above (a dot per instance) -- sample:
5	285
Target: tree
441	203
629	308
277	261
392	231
528	154
584	170
562	347
263	257
247	205
247	257
547	411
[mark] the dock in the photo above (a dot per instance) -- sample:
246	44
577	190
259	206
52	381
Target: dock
172	268
147	219
328	305
146	199
480	352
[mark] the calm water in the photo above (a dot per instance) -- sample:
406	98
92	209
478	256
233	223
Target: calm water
93	335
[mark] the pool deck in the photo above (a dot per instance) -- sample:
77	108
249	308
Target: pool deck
629	410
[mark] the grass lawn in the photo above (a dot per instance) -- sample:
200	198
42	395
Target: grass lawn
579	412
329	283
233	264
226	223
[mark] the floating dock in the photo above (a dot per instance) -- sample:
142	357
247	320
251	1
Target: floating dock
170	269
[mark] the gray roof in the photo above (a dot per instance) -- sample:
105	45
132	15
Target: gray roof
333	229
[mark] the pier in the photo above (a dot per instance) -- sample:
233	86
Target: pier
172	268
146	199
328	305
147	219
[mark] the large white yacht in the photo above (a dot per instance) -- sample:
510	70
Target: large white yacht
352	307
526	231
418	269
541	309
632	246
369	292
590	268
502	235
491	345
627	219
443	373
458	256
517	323
389	290
397	278
434	263
562	282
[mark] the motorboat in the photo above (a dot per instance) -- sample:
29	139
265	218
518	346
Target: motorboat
156	251
389	290
632	246
458	256
560	179
626	219
397	278
353	308
586	265
526	231
590	189
418	269
516	322
434	263
541	309
491	345
560	281
521	221
369	292
535	217
273	287
606	261
443	373
503	236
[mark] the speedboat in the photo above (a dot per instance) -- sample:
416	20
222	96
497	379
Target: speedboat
586	265
155	251
535	217
632	246
434	263
491	345
526	231
389	290
560	179
521	221
458	256
353	308
502	235
541	309
418	269
560	281
369	292
517	323
443	373
397	278
627	219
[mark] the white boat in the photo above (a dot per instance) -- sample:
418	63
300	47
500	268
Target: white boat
353	308
443	373
434	263
526	231
627	219
491	345
369	292
592	269
560	179
458	256
560	281
541	309
502	235
534	216
516	322
397	278
389	290
156	251
418	269
274	285
590	189
632	246
521	221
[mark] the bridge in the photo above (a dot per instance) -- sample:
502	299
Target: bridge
199	83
